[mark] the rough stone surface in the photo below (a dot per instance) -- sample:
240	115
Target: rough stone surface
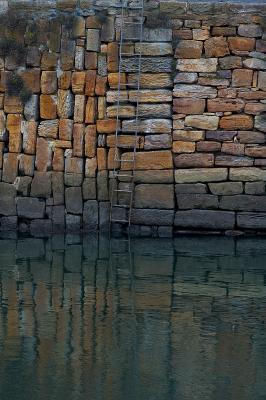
154	196
31	208
206	219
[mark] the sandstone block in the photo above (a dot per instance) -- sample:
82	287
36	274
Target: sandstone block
106	126
155	49
148	160
89	189
79	108
65	104
258	151
48	82
150	96
78	82
197	65
78	140
48	106
43	155
90	111
247	174
188	136
195	91
201	34
112	57
12	104
13	123
48	129
237	122
238	44
209	122
216	47
205	219
154	176
130	141
189	49
152	217
149	64
224	105
91	167
90	141
194	160
250	95
154	196
100	87
101	158
201	175
183	147
26	164
208	146
65	129
102	186
223	31
73	200
41	185
67	54
126	111
242	77
58	159
255	108
189	106
90	83
7	199
147	126
254	63
236	149
29	132
30	207
146	80
91	60
226	188
186	77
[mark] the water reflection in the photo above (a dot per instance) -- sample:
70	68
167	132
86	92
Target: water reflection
181	319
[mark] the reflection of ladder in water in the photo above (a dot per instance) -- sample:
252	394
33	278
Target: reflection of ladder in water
122	190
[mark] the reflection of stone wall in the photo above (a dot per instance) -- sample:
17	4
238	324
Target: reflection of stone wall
201	152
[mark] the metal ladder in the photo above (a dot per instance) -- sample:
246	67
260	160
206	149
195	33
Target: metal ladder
121	208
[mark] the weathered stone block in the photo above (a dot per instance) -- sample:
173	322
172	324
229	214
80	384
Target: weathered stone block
238	45
185	188
237	122
154	176
189	49
233	161
65	104
216	47
154	142
31	108
65	129
150	96
189	105
260	122
208	146
48	106
205	219
255	188
157	35
58	188
221	136
22	184
195	91
254	63
188	136
209	122
73	223
89	189
194	160
183	147
104	216
146	80
242	77
247	174
148	160
250	30
7	199
31	208
147	126
195	200
149	64
254	221
41	227
155	49
8	224
48	129
242	202
58	219
102	186
186	77
255	108
224	105
93	39
197	65
48	82
236	149
230	62
41	185
259	151
226	188
154	196
10	167
43	160
201	175
73	200
26	164
67	54
152	217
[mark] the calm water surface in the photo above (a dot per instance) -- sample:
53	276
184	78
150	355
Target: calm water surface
182	319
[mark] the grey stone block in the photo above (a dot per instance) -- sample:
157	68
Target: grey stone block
8	223
154	196
102	186
73	200
29	207
152	217
255	221
104	216
255	188
58	218
89	189
190	188
203	201
22	184
41	227
41	185
73	223
7	199
90	216
205	219
243	203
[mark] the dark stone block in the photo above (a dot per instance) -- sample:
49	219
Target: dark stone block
205	219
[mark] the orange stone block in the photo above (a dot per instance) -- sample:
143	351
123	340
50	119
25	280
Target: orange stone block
31	78
91	60
78	140
240	44
58	159
101	107
13	123
148	160
90	83
90	141
112	155
112	57
78	82
43	160
237	122
100	88
90	112
65	129
48	106
113	79
12	104
242	77
29	130
183	147
49	82
15	142
64	80
107	126
101	158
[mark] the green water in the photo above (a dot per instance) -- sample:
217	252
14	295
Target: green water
161	320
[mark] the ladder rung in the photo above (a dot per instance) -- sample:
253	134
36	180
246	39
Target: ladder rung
123	190
121	206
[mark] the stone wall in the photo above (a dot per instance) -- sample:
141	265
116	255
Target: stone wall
201	160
